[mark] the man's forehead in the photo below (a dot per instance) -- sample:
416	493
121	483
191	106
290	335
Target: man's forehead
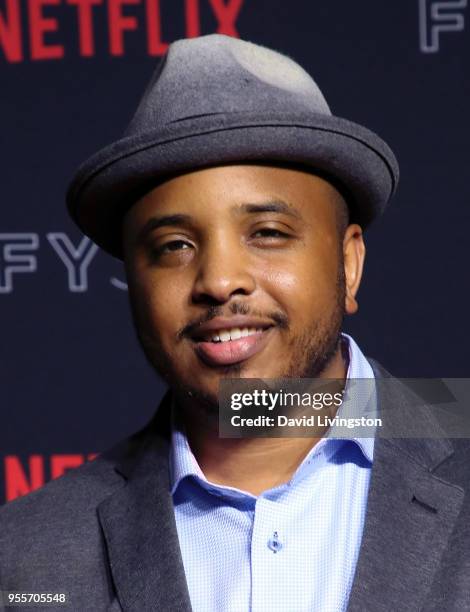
239	189
235	211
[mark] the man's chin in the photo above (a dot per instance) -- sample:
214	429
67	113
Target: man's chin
205	397
197	399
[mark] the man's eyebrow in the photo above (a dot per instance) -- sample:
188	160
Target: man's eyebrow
163	221
273	206
182	219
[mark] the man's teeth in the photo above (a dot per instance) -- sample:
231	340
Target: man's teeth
234	334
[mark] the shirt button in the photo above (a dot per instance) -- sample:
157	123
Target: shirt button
274	543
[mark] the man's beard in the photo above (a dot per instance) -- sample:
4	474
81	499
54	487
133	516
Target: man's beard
312	352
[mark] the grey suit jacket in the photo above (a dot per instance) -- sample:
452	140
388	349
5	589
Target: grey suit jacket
106	534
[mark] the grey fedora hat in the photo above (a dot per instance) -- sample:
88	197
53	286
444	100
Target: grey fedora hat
215	100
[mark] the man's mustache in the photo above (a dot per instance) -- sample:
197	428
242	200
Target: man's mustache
278	318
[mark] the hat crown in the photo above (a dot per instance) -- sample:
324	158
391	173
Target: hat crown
218	100
218	74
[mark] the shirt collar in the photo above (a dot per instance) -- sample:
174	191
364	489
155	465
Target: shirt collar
183	462
363	395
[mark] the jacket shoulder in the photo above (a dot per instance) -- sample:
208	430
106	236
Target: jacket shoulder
53	533
77	490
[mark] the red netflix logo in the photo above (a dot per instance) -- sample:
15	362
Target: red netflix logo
22	478
43	19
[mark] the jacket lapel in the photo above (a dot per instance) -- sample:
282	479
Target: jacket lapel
410	516
140	529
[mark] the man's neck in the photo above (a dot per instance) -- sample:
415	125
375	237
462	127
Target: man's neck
252	464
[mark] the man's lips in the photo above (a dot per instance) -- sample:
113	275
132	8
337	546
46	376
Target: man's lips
224	341
232	351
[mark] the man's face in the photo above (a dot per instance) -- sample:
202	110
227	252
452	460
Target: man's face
236	271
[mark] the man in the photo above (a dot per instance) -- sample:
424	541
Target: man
237	202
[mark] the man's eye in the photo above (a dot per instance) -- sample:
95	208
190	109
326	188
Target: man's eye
171	247
175	245
270	232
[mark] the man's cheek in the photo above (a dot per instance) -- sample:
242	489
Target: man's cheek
290	283
298	284
155	302
281	281
151	318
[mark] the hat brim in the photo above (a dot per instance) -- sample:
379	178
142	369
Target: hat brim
109	182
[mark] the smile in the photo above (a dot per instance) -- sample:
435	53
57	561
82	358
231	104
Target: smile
227	335
230	346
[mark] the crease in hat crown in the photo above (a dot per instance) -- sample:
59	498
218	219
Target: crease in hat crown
215	100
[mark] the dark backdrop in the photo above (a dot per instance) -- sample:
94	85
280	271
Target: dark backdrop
72	378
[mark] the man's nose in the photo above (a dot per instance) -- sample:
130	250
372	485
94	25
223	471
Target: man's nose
223	271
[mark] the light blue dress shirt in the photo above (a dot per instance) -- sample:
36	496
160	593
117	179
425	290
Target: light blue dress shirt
293	548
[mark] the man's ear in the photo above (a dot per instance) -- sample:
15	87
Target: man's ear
354	252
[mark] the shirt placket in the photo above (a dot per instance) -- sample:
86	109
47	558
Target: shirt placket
269	565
